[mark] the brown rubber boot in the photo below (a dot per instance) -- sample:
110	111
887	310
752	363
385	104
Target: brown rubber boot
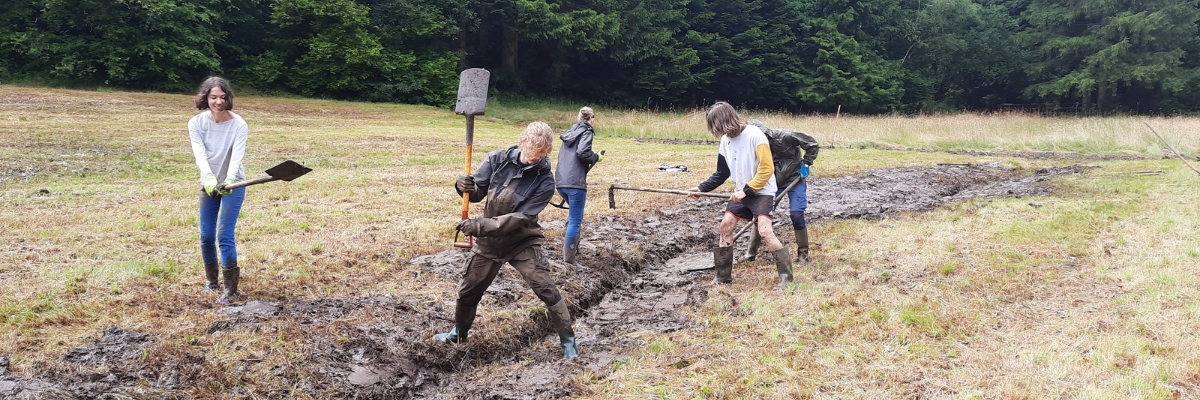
802	245
560	317
783	265
752	250
232	276
723	265
212	282
463	318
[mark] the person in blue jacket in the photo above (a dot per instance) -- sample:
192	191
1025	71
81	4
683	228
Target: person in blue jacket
575	159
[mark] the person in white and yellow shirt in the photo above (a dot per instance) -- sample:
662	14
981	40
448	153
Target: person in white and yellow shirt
744	155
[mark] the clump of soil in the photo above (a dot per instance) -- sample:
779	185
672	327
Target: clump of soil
114	345
640	272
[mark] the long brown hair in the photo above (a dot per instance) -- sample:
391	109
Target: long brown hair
207	86
724	120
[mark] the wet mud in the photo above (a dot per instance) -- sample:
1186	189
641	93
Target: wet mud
1029	155
641	271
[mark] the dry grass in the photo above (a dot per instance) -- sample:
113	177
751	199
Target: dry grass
989	132
1092	295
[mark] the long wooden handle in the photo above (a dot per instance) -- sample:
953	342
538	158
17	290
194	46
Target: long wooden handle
467	195
672	191
249	182
1185	161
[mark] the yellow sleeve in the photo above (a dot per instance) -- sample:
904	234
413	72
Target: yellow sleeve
766	167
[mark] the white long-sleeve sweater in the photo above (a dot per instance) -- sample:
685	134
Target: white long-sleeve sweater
216	145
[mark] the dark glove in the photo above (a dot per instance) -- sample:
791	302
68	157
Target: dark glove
465	184
469	227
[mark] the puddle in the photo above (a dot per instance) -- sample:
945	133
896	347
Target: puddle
641	271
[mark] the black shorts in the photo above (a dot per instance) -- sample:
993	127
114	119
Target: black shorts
751	206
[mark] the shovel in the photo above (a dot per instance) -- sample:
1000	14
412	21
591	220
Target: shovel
286	171
472	99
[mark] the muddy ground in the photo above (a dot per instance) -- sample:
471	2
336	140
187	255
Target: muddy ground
1030	155
641	271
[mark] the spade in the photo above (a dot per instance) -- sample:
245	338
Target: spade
285	171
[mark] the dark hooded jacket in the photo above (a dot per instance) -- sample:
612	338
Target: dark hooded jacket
576	157
789	149
516	193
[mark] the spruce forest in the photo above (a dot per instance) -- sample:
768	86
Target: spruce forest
860	56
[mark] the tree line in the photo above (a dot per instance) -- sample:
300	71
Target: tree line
864	56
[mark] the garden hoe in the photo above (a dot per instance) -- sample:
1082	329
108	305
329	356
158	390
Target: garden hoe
612	201
1185	161
286	171
472	99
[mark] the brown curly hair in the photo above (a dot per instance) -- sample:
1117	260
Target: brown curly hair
207	86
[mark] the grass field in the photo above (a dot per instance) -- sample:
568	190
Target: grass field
1091	295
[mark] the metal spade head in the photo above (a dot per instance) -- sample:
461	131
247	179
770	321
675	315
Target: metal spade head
288	170
472	91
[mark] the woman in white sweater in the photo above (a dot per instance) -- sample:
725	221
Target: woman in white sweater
218	138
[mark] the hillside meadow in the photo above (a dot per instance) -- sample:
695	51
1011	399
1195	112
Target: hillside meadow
1090	292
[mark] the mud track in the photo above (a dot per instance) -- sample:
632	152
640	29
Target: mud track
1031	155
640	275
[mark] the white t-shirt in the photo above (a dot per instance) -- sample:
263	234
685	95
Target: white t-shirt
740	154
217	145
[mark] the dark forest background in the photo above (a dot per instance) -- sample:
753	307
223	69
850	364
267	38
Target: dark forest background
864	56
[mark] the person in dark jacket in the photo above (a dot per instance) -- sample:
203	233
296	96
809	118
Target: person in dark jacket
792	152
517	184
575	159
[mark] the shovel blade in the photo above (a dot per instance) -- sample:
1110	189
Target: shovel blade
288	170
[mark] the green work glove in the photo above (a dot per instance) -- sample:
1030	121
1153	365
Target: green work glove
226	192
210	184
600	156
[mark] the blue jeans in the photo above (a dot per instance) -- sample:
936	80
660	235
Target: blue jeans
797	202
218	218
576	200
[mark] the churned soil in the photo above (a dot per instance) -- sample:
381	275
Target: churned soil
640	272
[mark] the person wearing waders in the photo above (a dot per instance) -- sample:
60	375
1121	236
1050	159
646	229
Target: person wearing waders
792	152
517	183
745	155
575	159
218	138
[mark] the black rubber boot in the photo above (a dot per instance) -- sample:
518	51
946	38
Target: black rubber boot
723	265
212	272
802	245
560	317
752	250
570	249
463	318
783	265
232	275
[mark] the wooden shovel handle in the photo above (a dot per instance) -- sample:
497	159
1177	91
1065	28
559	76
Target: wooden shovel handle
249	182
466	196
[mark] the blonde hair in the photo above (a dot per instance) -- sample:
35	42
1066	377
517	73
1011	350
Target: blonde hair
585	113
724	120
536	139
